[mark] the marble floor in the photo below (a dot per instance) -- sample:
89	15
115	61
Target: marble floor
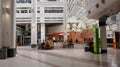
62	57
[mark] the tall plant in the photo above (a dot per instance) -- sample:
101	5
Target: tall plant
71	26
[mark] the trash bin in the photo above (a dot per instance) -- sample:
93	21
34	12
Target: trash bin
87	48
91	47
3	53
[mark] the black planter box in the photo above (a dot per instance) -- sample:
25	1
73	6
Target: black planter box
3	53
11	52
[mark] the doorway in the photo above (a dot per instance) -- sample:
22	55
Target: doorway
23	35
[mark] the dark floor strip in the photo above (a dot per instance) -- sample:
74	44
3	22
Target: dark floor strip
53	65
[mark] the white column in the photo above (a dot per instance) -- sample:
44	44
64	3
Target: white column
65	20
8	24
34	23
103	38
42	24
0	24
33	33
27	27
42	32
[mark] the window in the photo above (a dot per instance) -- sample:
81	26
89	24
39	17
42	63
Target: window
29	11
18	1
53	9
23	1
53	20
23	20
53	17
51	0
17	11
28	1
24	11
38	11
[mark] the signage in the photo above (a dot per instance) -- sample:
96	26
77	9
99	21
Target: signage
96	40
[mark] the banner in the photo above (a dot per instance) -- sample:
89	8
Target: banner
96	40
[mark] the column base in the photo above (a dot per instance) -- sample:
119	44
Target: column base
103	51
3	53
11	52
7	53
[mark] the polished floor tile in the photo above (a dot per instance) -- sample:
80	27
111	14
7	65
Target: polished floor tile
62	57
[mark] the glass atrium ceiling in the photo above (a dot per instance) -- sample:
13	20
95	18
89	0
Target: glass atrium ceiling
77	9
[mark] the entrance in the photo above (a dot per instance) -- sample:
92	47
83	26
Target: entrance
117	39
23	34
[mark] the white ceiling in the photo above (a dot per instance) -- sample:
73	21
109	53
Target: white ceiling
77	13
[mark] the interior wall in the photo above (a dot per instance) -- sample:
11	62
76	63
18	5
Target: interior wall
53	29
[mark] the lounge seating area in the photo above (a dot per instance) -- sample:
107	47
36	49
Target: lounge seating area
46	45
49	44
68	44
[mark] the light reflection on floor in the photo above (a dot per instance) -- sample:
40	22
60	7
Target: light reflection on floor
62	57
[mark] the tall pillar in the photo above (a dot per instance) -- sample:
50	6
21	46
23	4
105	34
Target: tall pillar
9	26
33	33
34	23
0	24
27	27
42	24
103	39
65	20
42	32
102	25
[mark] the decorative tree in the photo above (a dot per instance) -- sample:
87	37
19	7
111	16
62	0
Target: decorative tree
71	26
